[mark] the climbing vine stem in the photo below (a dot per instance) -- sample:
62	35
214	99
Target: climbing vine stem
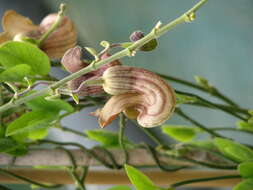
197	180
122	125
156	32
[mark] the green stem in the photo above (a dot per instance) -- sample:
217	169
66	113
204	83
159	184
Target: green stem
72	170
70	155
215	92
27	180
200	163
73	131
155	33
84	173
1	102
122	125
183	115
4	188
82	148
233	109
79	184
231	129
197	180
153	153
114	163
150	134
54	26
208	103
210	165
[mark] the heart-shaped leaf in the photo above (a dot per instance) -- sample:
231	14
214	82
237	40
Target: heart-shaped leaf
246	184
180	133
246	169
139	180
106	138
15	53
56	105
30	121
234	150
120	187
15	74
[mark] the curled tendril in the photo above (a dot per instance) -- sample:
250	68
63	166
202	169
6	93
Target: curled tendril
141	94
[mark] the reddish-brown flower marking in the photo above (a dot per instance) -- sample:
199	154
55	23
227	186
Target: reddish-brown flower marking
73	62
139	93
63	38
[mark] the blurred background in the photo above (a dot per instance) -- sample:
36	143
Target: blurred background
217	45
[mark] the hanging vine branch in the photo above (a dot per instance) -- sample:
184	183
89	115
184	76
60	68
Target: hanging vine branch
133	94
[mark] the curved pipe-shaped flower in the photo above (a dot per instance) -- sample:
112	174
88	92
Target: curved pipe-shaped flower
63	38
13	24
137	91
72	60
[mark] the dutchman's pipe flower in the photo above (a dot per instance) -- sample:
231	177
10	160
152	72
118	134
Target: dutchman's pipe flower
72	62
17	27
139	93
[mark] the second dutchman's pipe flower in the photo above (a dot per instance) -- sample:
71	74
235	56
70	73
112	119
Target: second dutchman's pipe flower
72	62
139	93
62	39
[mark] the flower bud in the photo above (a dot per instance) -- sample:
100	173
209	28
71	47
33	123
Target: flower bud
62	39
72	60
137	35
18	27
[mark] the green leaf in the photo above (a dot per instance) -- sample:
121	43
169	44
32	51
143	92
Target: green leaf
150	46
250	112
244	125
183	99
19	151
2	131
38	134
180	133
34	186
7	144
15	53
205	144
246	184
106	138
15	74
234	150
203	82
120	187
138	179
30	121
40	103
246	169
12	147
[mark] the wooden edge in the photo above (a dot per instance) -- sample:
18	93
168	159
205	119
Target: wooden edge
57	157
119	177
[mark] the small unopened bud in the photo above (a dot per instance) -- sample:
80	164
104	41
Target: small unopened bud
137	35
71	60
